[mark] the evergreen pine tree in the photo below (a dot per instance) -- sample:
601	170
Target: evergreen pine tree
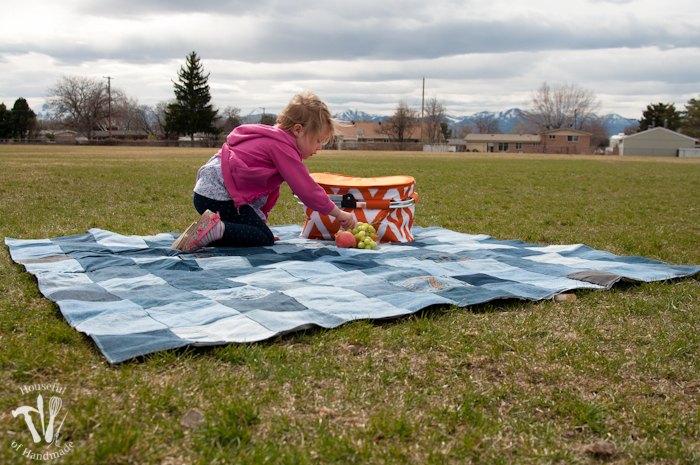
23	119
5	122
192	110
691	118
660	115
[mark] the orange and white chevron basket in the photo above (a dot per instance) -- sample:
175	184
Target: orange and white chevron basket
387	203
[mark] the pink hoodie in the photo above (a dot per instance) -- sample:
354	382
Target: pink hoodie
256	159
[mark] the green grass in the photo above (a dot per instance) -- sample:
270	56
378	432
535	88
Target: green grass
507	382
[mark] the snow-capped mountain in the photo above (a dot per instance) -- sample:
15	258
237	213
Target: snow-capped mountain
355	115
615	124
507	120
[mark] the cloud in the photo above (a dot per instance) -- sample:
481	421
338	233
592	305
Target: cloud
476	54
283	32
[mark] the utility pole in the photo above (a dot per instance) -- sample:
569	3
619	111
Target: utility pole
422	110
109	105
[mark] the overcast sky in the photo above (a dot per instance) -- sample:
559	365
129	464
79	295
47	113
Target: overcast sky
475	55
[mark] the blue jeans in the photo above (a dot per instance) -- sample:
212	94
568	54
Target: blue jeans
242	226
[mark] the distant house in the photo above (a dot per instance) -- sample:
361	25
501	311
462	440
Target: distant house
457	145
565	140
350	134
367	135
59	136
655	142
562	140
509	143
119	134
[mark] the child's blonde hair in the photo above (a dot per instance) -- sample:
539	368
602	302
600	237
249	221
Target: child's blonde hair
309	111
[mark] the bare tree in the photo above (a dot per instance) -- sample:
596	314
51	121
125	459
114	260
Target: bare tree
463	131
231	118
486	123
126	113
433	120
599	133
145	120
158	119
563	106
83	104
401	125
631	129
80	102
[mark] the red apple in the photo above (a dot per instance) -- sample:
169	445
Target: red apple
345	239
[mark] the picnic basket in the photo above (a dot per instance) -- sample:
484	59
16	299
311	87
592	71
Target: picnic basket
386	202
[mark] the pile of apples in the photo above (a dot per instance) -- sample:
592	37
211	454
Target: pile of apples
363	236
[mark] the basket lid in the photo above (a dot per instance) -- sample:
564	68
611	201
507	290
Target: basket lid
340	180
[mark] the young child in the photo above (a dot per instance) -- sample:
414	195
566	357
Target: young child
239	185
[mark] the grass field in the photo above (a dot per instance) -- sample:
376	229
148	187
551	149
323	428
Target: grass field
613	377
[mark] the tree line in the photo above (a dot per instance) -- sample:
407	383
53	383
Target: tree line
551	107
88	105
91	106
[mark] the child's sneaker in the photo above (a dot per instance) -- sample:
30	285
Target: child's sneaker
200	233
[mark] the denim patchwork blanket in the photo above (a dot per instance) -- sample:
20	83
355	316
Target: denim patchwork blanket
134	295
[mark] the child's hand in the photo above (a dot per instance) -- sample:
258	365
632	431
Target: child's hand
346	220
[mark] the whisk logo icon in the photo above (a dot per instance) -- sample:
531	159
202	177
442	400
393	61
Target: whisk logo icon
44	424
48	433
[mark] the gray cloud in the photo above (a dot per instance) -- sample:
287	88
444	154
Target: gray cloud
285	40
137	9
472	51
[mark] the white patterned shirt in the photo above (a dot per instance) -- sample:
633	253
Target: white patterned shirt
210	184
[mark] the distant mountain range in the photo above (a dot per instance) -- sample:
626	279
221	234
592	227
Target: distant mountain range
507	120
